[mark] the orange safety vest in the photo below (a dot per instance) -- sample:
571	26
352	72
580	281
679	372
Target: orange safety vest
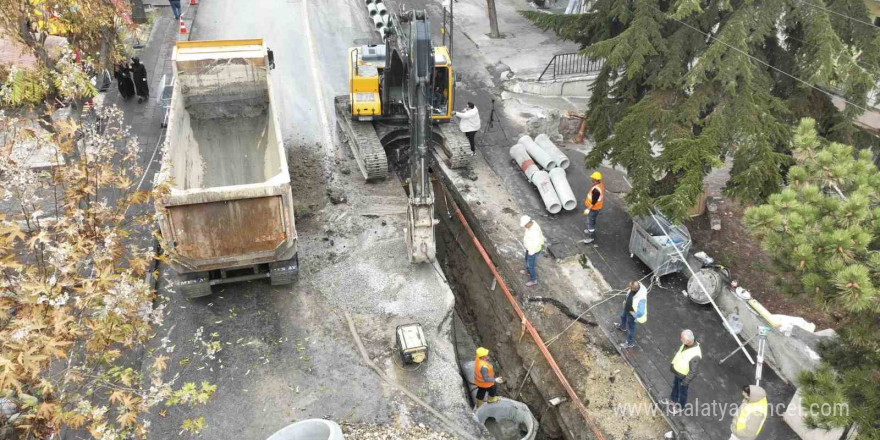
478	377
589	204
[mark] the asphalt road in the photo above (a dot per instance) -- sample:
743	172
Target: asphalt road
286	352
309	65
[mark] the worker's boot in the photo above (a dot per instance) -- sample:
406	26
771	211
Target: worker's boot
480	403
493	399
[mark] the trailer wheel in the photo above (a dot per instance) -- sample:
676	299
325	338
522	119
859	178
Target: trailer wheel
194	285
284	272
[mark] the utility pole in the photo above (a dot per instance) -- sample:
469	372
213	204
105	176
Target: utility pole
448	26
493	20
451	27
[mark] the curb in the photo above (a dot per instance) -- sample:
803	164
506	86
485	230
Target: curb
192	27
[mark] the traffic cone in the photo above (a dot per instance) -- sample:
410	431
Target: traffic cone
182	28
193	2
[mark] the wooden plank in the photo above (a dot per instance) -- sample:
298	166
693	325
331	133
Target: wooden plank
225	229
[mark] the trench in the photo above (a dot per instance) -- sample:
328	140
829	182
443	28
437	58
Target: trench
483	317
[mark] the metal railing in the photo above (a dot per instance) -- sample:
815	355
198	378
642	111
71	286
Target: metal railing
570	64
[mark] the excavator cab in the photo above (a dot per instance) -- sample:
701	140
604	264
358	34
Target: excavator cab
367	70
442	83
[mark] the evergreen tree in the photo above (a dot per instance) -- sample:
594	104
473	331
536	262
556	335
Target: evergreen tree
823	229
687	82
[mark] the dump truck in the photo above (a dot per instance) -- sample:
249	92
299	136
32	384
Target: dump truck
227	214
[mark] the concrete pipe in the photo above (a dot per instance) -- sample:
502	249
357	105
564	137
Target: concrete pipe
367	2
563	189
377	21
381	8
525	162
371	8
312	429
541	180
544	142
538	153
387	19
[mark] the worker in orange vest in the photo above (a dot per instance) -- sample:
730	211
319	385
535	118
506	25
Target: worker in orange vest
484	377
593	202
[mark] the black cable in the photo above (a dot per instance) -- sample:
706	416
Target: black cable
564	309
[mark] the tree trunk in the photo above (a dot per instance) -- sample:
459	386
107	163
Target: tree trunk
493	20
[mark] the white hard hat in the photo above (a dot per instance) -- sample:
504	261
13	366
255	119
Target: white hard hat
524	220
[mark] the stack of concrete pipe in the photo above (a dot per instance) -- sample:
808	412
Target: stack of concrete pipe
551	181
379	14
553	151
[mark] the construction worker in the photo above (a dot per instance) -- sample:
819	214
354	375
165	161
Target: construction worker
685	365
484	377
635	309
533	240
593	202
750	415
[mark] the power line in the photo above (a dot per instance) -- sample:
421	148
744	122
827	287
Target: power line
831	95
866	23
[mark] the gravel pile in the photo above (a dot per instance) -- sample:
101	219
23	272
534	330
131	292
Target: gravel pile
384	432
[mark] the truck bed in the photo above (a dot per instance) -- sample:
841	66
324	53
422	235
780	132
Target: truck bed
232	150
229	204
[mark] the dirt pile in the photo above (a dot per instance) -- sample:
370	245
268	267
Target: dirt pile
363	431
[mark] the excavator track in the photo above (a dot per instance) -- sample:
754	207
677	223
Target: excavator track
455	146
363	141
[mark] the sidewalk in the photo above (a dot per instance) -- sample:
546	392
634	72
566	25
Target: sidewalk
145	118
526	52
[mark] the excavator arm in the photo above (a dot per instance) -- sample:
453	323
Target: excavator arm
412	35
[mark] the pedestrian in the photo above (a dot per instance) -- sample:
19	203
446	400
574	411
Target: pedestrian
484	377
750	415
175	8
123	80
469	123
635	309
533	241
139	75
685	366
593	203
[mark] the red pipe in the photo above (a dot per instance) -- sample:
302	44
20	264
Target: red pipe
528	326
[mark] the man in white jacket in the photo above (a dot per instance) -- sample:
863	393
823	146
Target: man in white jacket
533	241
469	123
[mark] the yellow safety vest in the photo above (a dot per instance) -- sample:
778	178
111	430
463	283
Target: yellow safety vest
759	407
682	360
644	318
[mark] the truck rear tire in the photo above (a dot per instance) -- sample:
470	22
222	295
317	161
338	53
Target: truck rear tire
194	285
284	272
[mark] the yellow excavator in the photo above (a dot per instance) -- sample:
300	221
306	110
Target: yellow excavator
400	98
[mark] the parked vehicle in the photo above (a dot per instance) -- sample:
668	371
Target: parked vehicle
228	215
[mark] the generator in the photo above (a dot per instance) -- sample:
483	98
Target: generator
411	343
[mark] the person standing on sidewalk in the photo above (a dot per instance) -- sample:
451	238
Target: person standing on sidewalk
533	241
175	8
751	414
685	366
484	377
469	123
593	203
139	74
123	80
635	309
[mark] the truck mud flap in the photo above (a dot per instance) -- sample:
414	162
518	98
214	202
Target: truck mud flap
284	272
194	285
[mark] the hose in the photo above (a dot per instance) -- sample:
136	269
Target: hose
563	308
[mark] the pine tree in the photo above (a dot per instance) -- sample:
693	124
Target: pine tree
688	82
823	229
